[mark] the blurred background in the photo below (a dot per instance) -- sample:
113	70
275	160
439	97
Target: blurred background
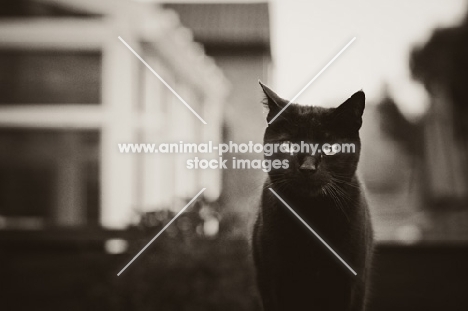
74	211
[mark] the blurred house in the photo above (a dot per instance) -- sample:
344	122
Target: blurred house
416	171
70	92
441	65
390	170
237	36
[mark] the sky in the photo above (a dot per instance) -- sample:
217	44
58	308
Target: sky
307	34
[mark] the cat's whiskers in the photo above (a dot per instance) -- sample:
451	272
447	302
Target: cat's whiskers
338	197
335	177
279	185
339	188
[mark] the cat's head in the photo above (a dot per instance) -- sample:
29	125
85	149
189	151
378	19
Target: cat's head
338	127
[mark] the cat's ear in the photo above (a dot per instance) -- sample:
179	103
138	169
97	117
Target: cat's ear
273	102
349	114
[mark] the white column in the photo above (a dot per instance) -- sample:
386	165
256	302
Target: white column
154	193
71	206
186	128
164	183
212	179
119	97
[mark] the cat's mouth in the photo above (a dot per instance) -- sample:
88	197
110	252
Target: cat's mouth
309	186
304	184
312	180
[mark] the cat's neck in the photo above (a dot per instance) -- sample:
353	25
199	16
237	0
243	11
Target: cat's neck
333	202
345	188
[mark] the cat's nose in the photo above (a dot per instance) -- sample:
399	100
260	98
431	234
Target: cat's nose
309	164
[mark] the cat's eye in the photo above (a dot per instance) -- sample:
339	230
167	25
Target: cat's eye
330	150
286	146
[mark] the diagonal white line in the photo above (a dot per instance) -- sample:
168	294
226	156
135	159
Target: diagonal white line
313	79
162	80
312	230
162	230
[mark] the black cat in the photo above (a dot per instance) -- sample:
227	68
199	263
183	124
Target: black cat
295	271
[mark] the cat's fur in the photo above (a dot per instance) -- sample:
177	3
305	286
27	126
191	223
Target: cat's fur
295	271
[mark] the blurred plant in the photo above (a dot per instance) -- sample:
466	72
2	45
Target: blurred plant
193	265
201	219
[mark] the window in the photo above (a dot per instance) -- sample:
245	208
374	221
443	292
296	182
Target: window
49	176
50	77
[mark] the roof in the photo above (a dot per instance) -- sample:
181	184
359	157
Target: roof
227	24
35	8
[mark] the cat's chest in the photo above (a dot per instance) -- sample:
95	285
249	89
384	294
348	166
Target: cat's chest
298	244
322	216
